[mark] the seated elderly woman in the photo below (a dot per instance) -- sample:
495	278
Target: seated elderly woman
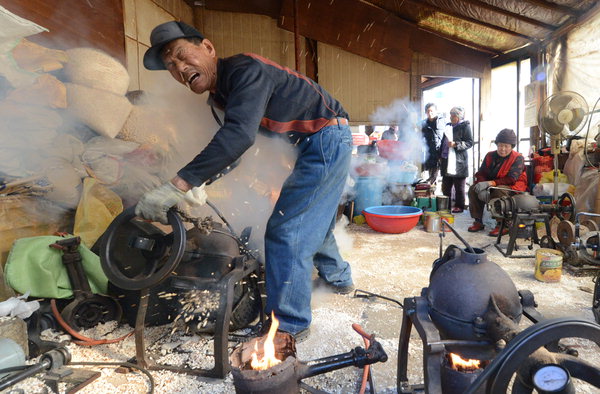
502	170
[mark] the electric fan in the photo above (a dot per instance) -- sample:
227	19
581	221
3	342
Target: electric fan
562	115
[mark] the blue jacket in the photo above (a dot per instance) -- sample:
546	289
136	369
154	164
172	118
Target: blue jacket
257	93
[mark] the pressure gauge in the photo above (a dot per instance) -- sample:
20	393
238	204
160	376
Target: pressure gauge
551	378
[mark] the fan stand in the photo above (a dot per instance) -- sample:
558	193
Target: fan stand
556	144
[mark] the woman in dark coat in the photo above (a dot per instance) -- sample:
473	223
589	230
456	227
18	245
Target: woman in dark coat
455	159
432	128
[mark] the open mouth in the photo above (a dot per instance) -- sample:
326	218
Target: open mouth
193	77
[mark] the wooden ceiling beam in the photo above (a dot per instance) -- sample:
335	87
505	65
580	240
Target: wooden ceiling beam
567	27
554	7
420	3
481	4
435	82
480	48
262	7
377	34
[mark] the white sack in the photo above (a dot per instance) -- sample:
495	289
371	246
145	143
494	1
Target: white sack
102	111
96	69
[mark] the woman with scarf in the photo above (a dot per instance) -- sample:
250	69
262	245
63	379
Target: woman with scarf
502	170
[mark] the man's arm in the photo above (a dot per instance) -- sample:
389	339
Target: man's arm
249	92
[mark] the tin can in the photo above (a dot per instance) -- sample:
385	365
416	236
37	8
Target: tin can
548	265
432	222
449	218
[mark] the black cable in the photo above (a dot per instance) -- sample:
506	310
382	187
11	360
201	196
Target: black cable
369	294
13	369
122	364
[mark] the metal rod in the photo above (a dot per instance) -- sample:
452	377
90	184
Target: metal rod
445	223
18	377
210	204
358	357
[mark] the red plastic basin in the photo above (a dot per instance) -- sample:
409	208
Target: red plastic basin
393	150
393	219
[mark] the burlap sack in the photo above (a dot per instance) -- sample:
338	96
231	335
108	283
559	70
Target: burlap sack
147	125
102	111
36	58
65	182
96	69
47	90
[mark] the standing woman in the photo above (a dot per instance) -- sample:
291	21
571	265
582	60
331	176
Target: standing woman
455	159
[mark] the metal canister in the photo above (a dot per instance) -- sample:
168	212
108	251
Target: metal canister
425	217
432	222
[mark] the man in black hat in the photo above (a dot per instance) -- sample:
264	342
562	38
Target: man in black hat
258	94
503	170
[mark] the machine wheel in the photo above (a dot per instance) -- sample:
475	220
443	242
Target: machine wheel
86	313
501	370
547	242
246	307
136	255
566	208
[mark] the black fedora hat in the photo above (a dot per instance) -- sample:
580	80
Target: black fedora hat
162	35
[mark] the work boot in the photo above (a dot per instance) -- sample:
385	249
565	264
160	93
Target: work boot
496	231
298	337
476	226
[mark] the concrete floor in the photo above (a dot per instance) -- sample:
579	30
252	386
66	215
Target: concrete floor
393	265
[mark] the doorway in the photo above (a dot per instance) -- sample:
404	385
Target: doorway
446	93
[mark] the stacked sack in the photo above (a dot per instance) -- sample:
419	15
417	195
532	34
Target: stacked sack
96	87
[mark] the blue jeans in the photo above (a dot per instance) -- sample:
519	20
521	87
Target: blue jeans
299	231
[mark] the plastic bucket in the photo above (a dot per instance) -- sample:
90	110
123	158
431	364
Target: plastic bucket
548	265
369	192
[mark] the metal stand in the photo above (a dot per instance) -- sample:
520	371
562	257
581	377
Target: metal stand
416	312
527	219
243	267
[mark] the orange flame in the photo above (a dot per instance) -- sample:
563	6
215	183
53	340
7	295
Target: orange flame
268	360
460	363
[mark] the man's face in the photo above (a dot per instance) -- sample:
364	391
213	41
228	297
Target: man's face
431	112
192	65
504	149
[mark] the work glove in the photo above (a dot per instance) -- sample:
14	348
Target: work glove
155	203
194	198
481	186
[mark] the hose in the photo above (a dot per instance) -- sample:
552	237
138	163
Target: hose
84	341
367	369
14	369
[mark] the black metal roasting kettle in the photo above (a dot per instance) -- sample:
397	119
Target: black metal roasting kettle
462	284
